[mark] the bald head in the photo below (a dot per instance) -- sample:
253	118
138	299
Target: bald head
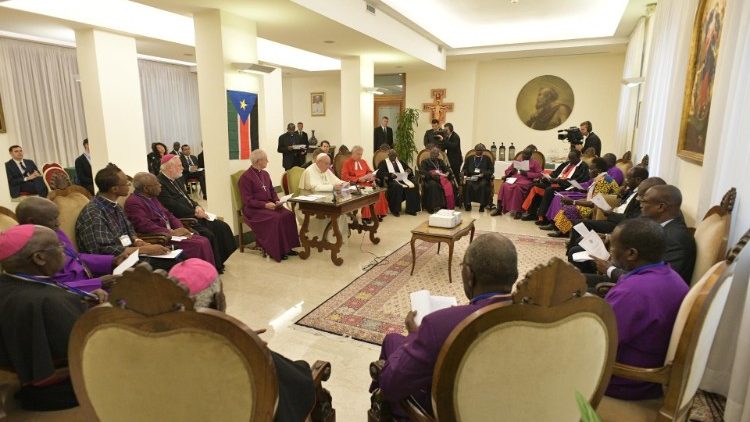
661	203
490	264
40	211
648	184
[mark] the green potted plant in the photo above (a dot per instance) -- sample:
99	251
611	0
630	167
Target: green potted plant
588	414
405	124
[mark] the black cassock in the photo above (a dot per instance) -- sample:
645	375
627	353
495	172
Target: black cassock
433	196
397	192
478	190
35	324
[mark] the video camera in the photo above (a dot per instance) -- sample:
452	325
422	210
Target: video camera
571	134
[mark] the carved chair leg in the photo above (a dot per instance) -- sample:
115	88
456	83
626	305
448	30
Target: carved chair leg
323	410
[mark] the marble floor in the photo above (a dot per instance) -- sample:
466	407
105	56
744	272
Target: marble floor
265	294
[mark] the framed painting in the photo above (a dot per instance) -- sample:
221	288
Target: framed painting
704	52
317	103
3	129
545	102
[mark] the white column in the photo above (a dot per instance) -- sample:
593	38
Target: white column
357	106
272	122
220	40
110	84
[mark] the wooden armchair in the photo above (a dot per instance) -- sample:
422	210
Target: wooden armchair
148	355
692	337
339	159
237	204
55	177
485	370
625	163
378	158
290	182
70	201
420	177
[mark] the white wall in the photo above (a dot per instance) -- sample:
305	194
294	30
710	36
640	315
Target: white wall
595	80
297	91
688	177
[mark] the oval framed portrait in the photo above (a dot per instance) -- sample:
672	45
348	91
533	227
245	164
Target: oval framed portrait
545	102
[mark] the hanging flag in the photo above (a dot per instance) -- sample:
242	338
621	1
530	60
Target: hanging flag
242	121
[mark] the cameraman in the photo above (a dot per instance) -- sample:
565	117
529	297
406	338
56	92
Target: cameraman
590	140
434	135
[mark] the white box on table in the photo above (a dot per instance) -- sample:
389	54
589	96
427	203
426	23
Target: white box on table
445	218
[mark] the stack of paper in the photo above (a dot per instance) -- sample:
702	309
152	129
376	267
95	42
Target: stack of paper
309	197
402	176
591	243
169	255
521	165
284	199
424	303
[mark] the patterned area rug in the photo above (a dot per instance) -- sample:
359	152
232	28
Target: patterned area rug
707	407
376	303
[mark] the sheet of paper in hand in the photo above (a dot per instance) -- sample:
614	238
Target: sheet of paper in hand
575	184
510	180
521	165
424	303
600	202
594	245
127	263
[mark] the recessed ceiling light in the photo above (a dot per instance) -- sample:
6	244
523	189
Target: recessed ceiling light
329	41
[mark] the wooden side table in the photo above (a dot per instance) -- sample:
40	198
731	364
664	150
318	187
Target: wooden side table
431	234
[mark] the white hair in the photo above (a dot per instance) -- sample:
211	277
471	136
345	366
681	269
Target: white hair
165	165
256	155
321	156
357	147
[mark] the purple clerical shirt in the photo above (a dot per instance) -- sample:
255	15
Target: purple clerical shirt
410	361
616	174
645	301
73	272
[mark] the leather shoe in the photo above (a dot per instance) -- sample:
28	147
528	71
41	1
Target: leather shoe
557	233
517	215
467	208
548	227
528	217
284	257
542	222
292	253
380	218
481	209
496	212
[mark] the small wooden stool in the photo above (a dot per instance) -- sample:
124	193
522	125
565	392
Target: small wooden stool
431	234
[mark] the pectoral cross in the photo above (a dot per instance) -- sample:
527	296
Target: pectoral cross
437	108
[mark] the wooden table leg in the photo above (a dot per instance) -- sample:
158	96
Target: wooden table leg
336	247
438	252
450	260
374	229
303	237
471	236
413	254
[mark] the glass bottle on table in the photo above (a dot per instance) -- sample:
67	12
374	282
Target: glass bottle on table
501	157
511	152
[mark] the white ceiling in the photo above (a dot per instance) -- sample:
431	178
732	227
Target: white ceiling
286	22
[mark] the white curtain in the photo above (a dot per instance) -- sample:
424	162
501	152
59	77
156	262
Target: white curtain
725	165
42	100
169	94
629	94
665	83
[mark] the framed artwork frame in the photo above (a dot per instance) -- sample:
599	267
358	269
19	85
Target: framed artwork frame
317	104
3	129
704	52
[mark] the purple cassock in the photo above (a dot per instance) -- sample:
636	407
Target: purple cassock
82	270
275	230
645	301
616	174
410	360
511	196
148	215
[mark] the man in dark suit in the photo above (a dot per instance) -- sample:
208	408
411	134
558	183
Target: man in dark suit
175	148
433	134
478	171
451	144
591	140
660	203
83	168
23	175
382	135
190	168
573	169
176	200
302	134
292	156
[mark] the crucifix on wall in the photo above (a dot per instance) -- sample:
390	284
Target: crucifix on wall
437	107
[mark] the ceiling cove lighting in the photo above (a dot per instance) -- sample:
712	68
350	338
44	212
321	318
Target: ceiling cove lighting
503	23
146	21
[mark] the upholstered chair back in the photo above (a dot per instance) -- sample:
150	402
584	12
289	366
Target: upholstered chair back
8	219
70	201
711	235
524	360
338	162
378	157
293	176
149	355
